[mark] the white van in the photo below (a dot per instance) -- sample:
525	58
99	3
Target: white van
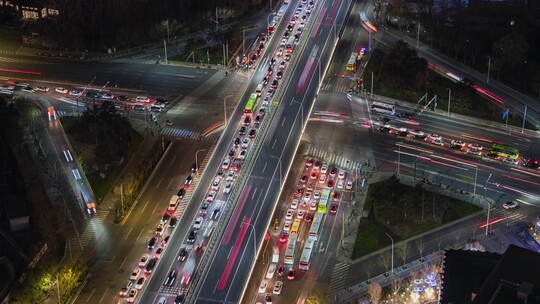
275	255
259	88
173	203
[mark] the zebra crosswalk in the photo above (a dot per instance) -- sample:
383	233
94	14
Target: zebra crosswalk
336	85
174	132
90	233
337	279
507	217
332	158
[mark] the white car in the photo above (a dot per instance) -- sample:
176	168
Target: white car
211	196
322	179
279	52
294	204
313	206
61	90
144	260
270	271
242	155
324	169
510	205
317	195
75	93
142	99
262	287
140	283
307	197
300	214
287	226
41	89
226	164
349	185
230	176
198	222
289	215
135	274
228	188
216	183
340	184
341	175
277	287
245	143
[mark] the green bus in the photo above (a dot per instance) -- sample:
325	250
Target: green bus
251	104
504	151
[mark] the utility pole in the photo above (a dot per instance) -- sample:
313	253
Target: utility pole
398	158
217	20
475	177
122	196
418	36
524	116
225	110
391	239
489	68
449	96
371	84
244	42
165	47
167	29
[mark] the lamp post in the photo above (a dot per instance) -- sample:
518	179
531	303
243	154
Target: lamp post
225	110
197	161
449	95
391	239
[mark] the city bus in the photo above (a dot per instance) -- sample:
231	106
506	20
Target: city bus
291	247
251	104
504	151
323	202
306	255
295	226
384	108
351	64
315	226
282	10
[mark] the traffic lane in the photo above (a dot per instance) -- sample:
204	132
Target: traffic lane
259	163
230	131
157	79
131	238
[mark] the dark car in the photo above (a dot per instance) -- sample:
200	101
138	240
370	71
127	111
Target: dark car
182	255
257	119
531	163
179	299
152	242
204	206
279	74
192	236
237	142
151	264
172	222
384	129
333	209
252	133
122	98
291	275
247	121
165	217
181	193
242	130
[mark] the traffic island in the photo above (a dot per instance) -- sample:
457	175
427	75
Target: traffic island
395	211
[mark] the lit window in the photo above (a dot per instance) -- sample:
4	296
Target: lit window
30	14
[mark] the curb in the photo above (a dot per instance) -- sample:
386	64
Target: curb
136	201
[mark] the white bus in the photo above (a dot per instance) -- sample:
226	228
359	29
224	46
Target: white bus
315	226
384	108
291	247
306	255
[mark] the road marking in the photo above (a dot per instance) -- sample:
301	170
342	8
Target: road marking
155	207
264	168
139	235
123	261
127	234
103	296
90	295
144	207
159	182
253	195
283	121
274	144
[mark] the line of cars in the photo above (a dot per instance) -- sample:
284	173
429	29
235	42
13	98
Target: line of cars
315	177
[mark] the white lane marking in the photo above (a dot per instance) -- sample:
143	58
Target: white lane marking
127	234
274	144
123	261
253	195
103	296
264	168
144	207
283	121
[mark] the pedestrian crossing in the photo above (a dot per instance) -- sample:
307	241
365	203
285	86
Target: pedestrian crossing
91	232
184	133
337	279
506	217
172	290
332	158
336	85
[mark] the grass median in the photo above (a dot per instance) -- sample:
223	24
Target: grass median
403	211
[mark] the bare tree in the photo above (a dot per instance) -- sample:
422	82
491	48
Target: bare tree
420	247
385	259
374	292
403	251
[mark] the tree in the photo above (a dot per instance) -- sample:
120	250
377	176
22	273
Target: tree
511	50
403	251
374	292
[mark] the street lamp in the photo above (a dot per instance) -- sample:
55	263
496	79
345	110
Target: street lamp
197	162
391	239
225	110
